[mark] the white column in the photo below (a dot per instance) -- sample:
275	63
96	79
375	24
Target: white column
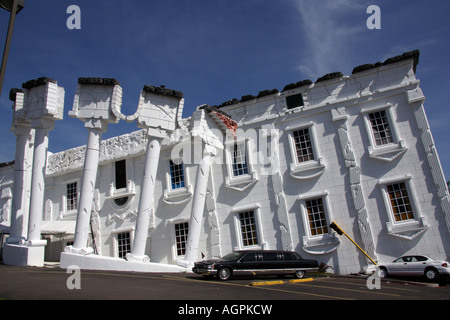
21	188
38	183
87	191
198	206
39	106
146	201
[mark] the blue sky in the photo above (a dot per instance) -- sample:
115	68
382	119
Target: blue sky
216	50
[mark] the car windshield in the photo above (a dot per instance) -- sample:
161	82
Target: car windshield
233	256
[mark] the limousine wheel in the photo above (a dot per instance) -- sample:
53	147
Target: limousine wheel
299	274
224	273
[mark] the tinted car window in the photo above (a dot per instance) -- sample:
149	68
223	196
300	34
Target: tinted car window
288	256
270	256
421	258
249	257
233	256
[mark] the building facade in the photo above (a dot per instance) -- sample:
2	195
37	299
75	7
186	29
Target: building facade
271	171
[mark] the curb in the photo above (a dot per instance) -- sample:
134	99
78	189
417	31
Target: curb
301	280
275	282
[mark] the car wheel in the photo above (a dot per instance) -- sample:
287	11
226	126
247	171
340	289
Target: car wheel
431	274
382	273
224	274
299	274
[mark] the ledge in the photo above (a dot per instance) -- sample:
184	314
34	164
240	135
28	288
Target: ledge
38	82
99	81
163	91
415	54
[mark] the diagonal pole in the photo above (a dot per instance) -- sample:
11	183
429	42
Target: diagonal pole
12	18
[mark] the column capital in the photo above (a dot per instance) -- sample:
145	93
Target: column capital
97	100
97	124
21	129
43	123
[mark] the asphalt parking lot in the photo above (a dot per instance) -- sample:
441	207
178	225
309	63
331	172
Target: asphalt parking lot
27	283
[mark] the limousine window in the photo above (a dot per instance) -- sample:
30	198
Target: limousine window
270	256
250	257
233	256
289	256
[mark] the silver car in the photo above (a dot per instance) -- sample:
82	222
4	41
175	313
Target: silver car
415	266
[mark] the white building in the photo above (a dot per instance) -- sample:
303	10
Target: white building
356	150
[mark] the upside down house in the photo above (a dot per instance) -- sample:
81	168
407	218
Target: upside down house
268	171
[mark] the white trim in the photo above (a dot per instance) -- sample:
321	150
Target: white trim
408	229
237	227
173	240
69	213
309	169
387	152
318	244
115	234
180	195
241	182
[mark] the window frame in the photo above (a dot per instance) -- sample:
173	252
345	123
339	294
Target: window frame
64	209
128	245
178	195
243	181
115	237
389	151
125	175
258	227
305	214
305	169
72	196
409	228
250	238
173	237
175	168
322	243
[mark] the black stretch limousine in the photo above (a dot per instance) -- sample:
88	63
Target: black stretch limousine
256	262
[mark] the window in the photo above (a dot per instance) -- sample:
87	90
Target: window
239	160
384	142
380	128
248	228
303	145
306	162
270	256
123	244
294	101
401	206
241	173
178	189
121	174
404	219
72	197
316	217
181	237
121	181
176	175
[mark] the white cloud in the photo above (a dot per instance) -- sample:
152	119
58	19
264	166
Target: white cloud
329	30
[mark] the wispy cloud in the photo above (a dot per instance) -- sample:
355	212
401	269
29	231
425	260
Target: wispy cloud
329	30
